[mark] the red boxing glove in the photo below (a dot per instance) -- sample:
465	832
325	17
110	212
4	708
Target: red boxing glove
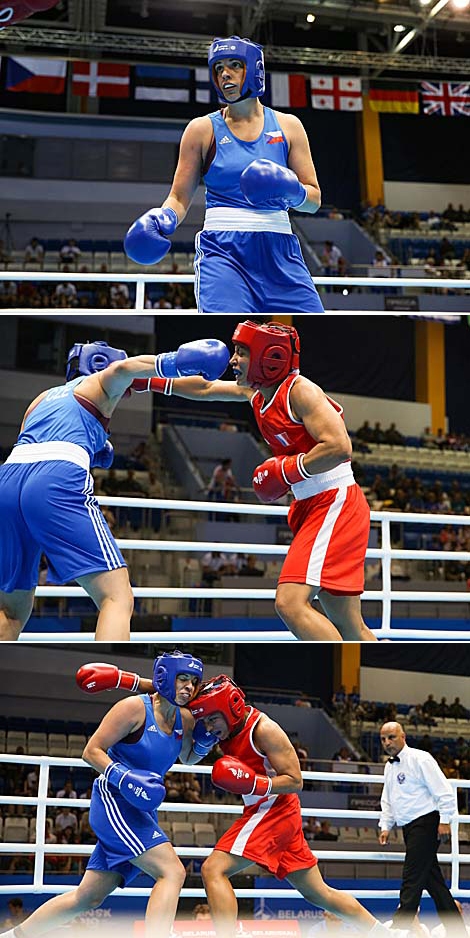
232	775
161	385
16	11
95	677
274	477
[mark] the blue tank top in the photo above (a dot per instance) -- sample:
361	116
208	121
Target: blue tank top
60	417
232	155
154	751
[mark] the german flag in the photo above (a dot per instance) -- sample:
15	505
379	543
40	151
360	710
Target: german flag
399	99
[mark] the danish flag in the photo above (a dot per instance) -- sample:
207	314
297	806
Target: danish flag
100	79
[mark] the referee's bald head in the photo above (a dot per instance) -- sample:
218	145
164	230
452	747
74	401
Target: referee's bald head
392	737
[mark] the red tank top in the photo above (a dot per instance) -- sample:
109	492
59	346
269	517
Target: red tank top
242	746
284	435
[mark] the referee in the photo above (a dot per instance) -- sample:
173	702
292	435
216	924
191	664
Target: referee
417	797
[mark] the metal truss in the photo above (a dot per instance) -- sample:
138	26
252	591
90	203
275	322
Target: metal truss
88	45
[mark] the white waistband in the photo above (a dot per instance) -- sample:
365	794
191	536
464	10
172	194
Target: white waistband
341	475
47	452
246	219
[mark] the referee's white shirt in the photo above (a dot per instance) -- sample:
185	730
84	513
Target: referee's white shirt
415	786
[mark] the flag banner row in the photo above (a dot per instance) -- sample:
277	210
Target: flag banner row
175	85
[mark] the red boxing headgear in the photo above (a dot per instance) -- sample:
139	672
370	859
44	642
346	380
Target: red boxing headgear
220	695
274	351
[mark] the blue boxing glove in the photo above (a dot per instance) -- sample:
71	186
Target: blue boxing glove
103	459
143	790
145	242
206	357
203	741
266	183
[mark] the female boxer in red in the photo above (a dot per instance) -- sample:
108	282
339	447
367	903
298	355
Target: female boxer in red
312	458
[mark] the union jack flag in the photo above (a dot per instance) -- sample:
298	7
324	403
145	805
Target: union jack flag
445	98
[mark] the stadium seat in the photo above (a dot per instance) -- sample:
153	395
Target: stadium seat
182	834
16	830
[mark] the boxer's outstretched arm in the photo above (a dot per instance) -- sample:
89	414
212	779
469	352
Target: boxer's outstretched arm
195	389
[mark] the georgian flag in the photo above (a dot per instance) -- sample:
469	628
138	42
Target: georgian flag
333	93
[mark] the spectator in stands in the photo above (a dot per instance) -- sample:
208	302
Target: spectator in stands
191	789
34	253
325	832
16	913
154	487
365	432
443	708
67	791
119	296
69	252
335	214
428	439
222	482
393	436
311	827
378	435
303	700
450	213
4	254
430	706
130	485
65	818
86	832
201	912
249	568
173	786
343	755
446	251
8	293
214	565
65	294
111	483
380	261
433	221
457	710
332	259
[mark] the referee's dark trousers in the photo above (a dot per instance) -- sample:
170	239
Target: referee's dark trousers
422	871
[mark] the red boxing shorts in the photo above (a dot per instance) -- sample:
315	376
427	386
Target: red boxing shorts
331	532
270	833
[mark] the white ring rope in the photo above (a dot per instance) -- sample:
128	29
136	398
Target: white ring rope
385	553
42	801
141	279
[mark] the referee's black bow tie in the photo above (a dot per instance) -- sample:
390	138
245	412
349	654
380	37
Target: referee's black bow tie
394	759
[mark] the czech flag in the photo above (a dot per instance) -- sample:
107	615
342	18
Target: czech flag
39	76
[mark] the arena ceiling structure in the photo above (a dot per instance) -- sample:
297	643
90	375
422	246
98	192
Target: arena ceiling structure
422	38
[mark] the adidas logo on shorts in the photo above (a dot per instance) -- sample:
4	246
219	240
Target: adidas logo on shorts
225	140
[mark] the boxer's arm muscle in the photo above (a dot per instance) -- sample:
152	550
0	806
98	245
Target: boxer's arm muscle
194	389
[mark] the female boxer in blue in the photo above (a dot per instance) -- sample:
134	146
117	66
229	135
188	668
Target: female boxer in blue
256	164
47	504
136	743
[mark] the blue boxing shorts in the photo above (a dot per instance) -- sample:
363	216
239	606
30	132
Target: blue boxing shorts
252	272
123	831
49	507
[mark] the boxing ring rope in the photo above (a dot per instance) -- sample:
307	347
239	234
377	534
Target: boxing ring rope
385	554
141	279
40	849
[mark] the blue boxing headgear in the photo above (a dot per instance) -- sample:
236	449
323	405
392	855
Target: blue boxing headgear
92	357
250	53
166	669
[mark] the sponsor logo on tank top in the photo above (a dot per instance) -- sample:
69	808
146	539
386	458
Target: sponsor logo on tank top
225	140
